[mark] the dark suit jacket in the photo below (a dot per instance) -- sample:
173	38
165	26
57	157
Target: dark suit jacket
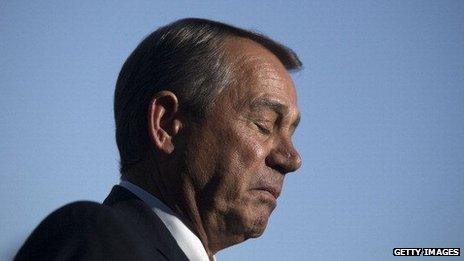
122	228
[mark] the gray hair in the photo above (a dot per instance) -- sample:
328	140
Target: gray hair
188	58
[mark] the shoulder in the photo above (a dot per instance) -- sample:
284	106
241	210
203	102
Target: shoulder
82	211
78	225
77	217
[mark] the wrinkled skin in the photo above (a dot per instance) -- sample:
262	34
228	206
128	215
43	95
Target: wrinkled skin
223	176
237	159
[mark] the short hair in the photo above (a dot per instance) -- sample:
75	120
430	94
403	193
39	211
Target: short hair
186	57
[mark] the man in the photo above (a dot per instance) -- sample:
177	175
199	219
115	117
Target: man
205	114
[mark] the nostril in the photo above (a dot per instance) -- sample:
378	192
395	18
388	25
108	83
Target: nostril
284	162
282	170
284	158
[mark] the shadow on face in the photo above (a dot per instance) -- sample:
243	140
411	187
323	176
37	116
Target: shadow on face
239	156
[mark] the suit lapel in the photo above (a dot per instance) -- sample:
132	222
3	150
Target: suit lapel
144	222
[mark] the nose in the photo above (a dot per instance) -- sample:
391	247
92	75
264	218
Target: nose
284	157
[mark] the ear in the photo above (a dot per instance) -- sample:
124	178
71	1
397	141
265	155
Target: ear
163	121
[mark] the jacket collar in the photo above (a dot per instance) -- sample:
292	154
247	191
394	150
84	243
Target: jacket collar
144	221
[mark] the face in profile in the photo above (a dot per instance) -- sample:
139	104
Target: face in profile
239	156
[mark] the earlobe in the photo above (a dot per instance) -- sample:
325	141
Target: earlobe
163	121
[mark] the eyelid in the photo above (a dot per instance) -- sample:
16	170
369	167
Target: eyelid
263	128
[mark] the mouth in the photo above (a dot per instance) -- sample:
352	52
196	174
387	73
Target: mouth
273	192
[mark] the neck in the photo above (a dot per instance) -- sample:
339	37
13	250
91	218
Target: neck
202	216
181	199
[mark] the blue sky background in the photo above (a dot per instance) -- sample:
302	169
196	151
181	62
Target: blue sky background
382	131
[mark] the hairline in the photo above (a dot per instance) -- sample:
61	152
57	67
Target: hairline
198	98
231	63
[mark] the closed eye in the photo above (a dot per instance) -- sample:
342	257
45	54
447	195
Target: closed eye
262	128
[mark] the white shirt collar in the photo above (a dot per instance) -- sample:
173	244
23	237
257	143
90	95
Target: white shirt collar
186	239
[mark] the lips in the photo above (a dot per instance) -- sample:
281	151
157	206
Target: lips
274	191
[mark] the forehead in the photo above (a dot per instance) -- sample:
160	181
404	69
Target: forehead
259	73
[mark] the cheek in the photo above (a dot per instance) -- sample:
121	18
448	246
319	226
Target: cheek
235	163
247	158
247	213
240	160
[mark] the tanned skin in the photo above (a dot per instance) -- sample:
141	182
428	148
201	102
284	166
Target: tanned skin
223	176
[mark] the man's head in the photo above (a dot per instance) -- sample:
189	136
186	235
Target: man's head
211	109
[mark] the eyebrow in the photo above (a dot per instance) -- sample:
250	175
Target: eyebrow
276	106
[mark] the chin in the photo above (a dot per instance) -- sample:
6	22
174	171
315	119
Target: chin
257	230
250	218
257	220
